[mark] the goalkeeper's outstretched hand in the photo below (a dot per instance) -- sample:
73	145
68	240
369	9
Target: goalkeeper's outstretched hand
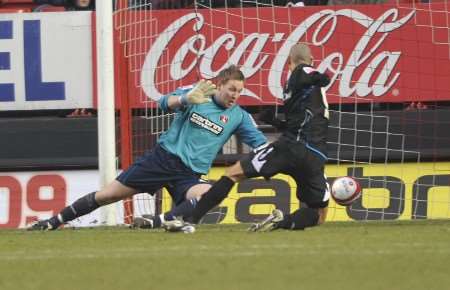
200	93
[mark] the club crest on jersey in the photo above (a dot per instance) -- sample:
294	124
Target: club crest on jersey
223	118
205	123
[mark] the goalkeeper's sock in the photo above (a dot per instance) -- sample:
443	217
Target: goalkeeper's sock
80	207
215	195
157	221
184	210
300	219
55	221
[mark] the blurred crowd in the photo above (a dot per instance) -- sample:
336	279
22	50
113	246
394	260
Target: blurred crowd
177	4
80	5
69	5
173	4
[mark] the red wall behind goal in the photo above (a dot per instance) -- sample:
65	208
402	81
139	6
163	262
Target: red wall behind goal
379	53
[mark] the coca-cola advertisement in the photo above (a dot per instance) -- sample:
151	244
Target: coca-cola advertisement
373	53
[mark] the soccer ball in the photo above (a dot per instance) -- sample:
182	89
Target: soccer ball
345	190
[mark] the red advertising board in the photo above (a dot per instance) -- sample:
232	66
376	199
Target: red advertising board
379	53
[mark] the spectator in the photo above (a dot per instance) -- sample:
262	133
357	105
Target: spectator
173	4
162	4
297	3
81	113
416	106
239	3
259	3
69	5
352	2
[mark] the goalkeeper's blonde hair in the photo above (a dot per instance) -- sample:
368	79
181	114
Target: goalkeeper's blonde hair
232	72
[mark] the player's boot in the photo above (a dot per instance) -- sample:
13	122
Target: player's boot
269	223
178	225
42	225
145	221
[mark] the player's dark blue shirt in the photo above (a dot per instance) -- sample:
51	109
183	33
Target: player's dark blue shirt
306	108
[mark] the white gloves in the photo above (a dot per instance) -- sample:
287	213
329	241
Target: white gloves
199	94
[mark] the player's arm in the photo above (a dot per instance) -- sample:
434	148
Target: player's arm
249	133
309	76
182	97
269	116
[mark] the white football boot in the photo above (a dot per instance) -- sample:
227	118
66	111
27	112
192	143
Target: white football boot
268	224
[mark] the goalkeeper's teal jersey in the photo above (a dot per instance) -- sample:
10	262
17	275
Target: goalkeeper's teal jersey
198	132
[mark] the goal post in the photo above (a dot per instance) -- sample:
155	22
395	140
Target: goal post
105	102
384	60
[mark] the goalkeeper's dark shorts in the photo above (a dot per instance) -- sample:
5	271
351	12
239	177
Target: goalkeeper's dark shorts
302	162
157	169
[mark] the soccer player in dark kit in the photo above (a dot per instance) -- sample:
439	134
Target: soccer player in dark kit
299	152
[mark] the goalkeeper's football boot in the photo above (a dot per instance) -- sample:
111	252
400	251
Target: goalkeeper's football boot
42	225
269	223
178	225
145	221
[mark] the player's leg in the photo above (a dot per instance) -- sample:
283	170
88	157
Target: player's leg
179	217
175	220
185	193
185	208
194	196
303	218
269	223
146	173
218	192
298	220
313	193
113	192
185	187
307	168
265	161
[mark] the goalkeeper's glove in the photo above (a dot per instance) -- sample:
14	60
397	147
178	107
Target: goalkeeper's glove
199	94
268	116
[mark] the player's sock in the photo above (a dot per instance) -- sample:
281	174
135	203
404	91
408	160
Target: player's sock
215	195
80	207
300	219
55	221
158	220
184	209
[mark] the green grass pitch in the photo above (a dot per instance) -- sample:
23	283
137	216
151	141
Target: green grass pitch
371	255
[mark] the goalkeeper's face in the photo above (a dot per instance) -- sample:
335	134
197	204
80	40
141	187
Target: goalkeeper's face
229	92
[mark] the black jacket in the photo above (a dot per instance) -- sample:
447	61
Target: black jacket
306	107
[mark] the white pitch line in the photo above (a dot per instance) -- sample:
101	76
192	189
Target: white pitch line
255	250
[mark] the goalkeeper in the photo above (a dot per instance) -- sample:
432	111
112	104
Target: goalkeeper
300	151
206	117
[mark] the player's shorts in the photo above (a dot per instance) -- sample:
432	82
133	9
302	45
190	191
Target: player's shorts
157	169
306	166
